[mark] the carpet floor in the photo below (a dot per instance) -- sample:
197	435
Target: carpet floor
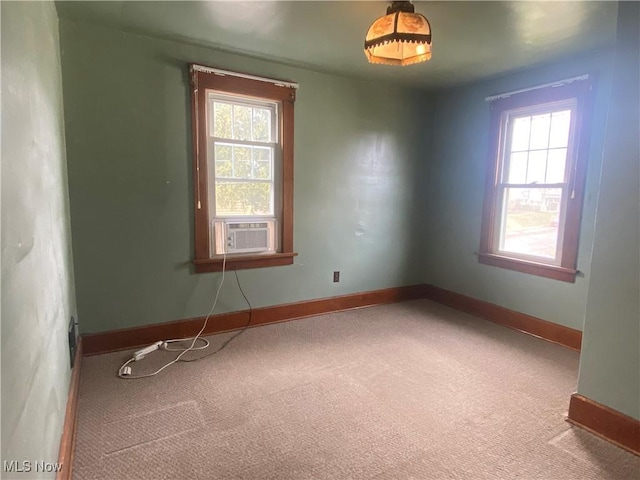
412	390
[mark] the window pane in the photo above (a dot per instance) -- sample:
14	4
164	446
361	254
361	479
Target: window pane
223	152
242	162
518	167
261	125
224	169
540	131
223	163
262	154
243	198
537	166
530	222
560	123
241	122
221	120
262	163
556	165
520	135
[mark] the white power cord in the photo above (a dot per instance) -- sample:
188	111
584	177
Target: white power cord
166	343
125	370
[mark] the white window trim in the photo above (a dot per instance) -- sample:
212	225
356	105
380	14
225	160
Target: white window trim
502	185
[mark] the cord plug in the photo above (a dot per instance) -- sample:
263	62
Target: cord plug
140	354
125	371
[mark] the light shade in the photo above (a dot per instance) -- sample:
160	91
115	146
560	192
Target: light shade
401	37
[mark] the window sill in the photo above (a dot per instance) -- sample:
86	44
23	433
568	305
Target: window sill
240	262
533	268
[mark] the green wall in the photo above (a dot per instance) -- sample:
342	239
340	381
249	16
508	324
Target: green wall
127	117
610	360
37	273
455	181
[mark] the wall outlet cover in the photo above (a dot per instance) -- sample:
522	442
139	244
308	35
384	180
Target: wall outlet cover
73	340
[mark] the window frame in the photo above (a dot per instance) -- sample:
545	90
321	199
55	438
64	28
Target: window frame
202	81
535	99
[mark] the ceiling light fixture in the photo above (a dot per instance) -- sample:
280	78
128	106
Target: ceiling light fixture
401	37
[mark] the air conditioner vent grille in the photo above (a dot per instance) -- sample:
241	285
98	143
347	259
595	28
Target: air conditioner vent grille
251	239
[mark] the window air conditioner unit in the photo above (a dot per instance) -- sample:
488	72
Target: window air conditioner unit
244	236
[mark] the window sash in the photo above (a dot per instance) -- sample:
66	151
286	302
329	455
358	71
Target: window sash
214	97
500	227
274	146
243	143
243	180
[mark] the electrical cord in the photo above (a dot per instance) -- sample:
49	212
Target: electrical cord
166	343
122	373
230	339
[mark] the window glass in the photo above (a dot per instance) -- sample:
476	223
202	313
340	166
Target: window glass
556	165
244	198
244	157
518	167
536	166
241	122
560	123
530	225
261	125
222	125
520	136
539	131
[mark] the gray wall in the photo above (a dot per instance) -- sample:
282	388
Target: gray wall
610	360
127	117
37	273
455	182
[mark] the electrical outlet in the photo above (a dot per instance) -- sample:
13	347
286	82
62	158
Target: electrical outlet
336	277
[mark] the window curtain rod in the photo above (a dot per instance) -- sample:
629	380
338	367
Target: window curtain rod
559	83
216	71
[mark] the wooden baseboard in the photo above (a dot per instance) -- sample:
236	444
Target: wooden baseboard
114	340
544	329
605	422
68	440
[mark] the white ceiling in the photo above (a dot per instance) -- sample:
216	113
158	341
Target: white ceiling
471	40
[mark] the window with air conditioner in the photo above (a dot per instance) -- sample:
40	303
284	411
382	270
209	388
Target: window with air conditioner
243	166
243	163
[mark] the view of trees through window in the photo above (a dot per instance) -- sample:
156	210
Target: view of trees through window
243	137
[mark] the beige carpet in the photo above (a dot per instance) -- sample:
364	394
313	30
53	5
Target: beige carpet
410	390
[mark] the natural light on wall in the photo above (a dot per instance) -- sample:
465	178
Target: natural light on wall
401	37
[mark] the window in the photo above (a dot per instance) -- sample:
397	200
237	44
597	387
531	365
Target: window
535	181
243	170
